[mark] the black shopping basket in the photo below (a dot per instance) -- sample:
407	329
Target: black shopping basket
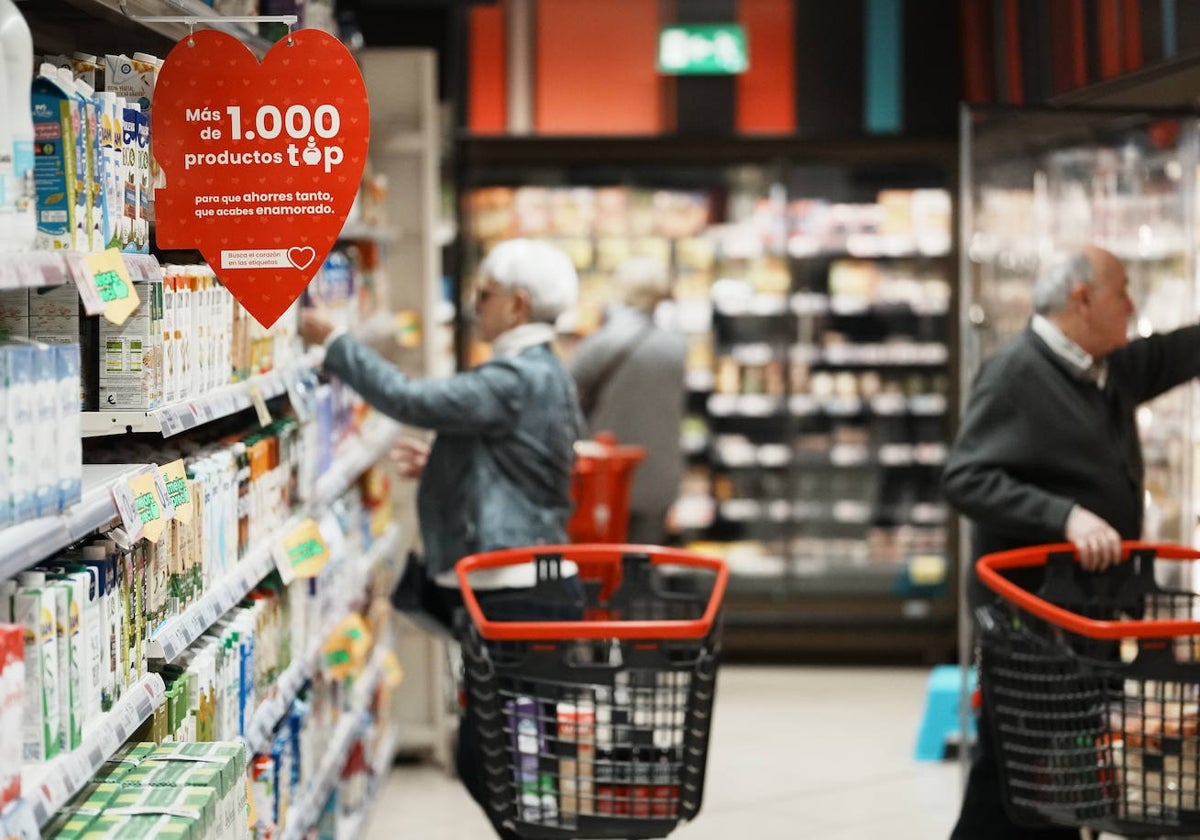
1092	688
596	726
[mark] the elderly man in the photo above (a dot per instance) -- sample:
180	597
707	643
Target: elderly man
1048	450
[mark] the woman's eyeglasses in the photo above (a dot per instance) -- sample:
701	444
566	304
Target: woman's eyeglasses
483	294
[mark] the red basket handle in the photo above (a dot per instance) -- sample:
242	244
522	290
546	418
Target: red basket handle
596	553
988	568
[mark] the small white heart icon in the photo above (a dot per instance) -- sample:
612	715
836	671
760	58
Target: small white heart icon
302	258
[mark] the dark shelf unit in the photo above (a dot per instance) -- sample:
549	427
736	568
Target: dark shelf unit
791	617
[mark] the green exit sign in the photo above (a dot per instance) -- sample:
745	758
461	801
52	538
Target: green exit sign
708	49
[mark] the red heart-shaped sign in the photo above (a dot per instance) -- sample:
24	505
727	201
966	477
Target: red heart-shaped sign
218	115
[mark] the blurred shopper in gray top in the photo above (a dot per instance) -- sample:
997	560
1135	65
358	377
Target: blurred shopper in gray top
499	473
630	376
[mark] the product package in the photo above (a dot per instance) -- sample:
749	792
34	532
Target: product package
12	702
54	126
130	368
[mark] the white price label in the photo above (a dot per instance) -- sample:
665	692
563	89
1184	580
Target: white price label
9	279
95	758
130	718
110	740
171	424
28	275
131	523
53	270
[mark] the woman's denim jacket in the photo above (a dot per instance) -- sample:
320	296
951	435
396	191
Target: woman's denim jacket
499	473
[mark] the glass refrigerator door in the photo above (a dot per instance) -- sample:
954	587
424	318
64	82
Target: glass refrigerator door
1036	181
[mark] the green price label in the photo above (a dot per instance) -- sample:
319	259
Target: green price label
305	551
147	507
111	287
177	489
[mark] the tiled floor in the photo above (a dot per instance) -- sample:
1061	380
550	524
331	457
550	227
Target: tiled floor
796	753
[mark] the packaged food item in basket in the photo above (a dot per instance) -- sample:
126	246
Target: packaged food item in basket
577	748
639	791
537	802
1155	752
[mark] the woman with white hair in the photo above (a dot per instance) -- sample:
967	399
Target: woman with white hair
499	472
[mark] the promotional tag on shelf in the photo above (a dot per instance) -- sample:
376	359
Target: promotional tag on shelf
347	648
146	507
131	523
302	553
175	476
262	160
164	496
81	276
393	673
260	406
109	277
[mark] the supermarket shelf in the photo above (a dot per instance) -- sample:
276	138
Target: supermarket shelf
188	414
887	354
380	762
180	632
39	269
363	451
52	785
359	231
699	380
262	724
759	305
385	753
311	799
847	306
883	405
109	13
23	545
870	246
882	628
744	405
832	512
177	634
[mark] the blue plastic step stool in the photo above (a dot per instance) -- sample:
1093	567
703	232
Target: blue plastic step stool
941	712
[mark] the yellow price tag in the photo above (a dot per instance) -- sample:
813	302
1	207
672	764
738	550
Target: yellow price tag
301	554
178	489
346	649
145	505
393	673
110	276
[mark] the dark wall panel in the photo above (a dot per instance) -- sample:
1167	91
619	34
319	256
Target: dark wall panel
933	67
705	104
829	68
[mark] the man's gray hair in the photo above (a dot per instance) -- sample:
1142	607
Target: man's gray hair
642	282
539	269
1056	276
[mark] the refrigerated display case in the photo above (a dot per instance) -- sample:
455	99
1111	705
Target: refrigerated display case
1039	180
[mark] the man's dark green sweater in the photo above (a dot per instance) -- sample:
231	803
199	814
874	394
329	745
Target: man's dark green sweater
1038	438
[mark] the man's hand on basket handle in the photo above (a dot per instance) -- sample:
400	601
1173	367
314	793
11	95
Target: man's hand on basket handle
1098	543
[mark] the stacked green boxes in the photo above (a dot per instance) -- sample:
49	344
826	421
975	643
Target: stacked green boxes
187	791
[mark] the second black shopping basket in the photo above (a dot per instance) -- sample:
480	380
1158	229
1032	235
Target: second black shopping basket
1092	690
595	727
